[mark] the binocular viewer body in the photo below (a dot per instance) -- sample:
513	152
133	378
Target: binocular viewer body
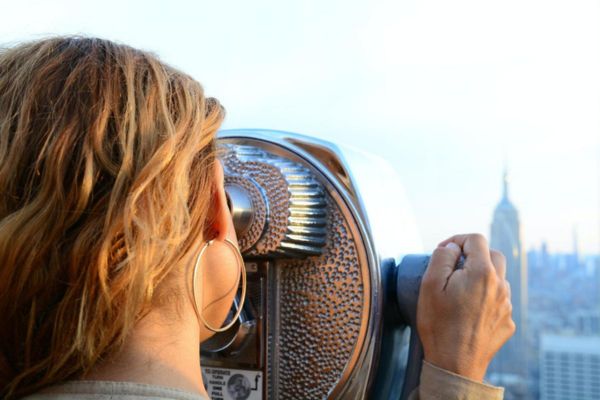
330	311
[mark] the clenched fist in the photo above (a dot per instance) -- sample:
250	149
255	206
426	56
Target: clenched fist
464	316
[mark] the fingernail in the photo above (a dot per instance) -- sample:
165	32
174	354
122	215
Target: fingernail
453	246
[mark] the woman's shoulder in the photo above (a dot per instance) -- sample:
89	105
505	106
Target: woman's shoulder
101	390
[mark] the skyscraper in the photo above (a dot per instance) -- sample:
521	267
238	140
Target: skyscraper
570	367
574	262
509	367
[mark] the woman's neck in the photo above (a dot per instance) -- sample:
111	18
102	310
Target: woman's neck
160	351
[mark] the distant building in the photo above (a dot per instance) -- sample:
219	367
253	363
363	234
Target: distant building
598	281
570	367
509	367
574	262
587	322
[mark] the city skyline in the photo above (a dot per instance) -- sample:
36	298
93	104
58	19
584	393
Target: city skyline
563	325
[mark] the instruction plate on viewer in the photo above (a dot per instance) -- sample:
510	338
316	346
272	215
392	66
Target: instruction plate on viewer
232	384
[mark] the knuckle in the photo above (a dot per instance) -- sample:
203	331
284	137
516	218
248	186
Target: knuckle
488	272
501	288
478	238
508	306
498	255
439	252
441	257
512	327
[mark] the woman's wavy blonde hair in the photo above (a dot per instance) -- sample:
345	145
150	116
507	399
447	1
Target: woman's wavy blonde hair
106	180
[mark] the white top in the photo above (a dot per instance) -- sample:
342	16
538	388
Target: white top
436	384
105	390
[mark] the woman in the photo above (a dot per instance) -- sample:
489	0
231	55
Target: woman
110	191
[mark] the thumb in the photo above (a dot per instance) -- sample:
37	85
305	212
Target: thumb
443	262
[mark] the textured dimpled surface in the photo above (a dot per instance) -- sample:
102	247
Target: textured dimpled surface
317	315
289	203
321	305
270	179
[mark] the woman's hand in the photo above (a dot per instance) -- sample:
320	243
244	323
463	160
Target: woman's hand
464	315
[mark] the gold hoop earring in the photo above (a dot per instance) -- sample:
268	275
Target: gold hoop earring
242	268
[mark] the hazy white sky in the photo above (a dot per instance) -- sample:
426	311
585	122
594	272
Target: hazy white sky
445	90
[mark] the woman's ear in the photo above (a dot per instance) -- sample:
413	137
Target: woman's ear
222	223
220	269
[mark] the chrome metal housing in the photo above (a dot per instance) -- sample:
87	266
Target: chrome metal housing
369	194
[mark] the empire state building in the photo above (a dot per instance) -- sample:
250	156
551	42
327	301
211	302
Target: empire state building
511	362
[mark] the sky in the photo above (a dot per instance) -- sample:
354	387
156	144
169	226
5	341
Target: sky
447	91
